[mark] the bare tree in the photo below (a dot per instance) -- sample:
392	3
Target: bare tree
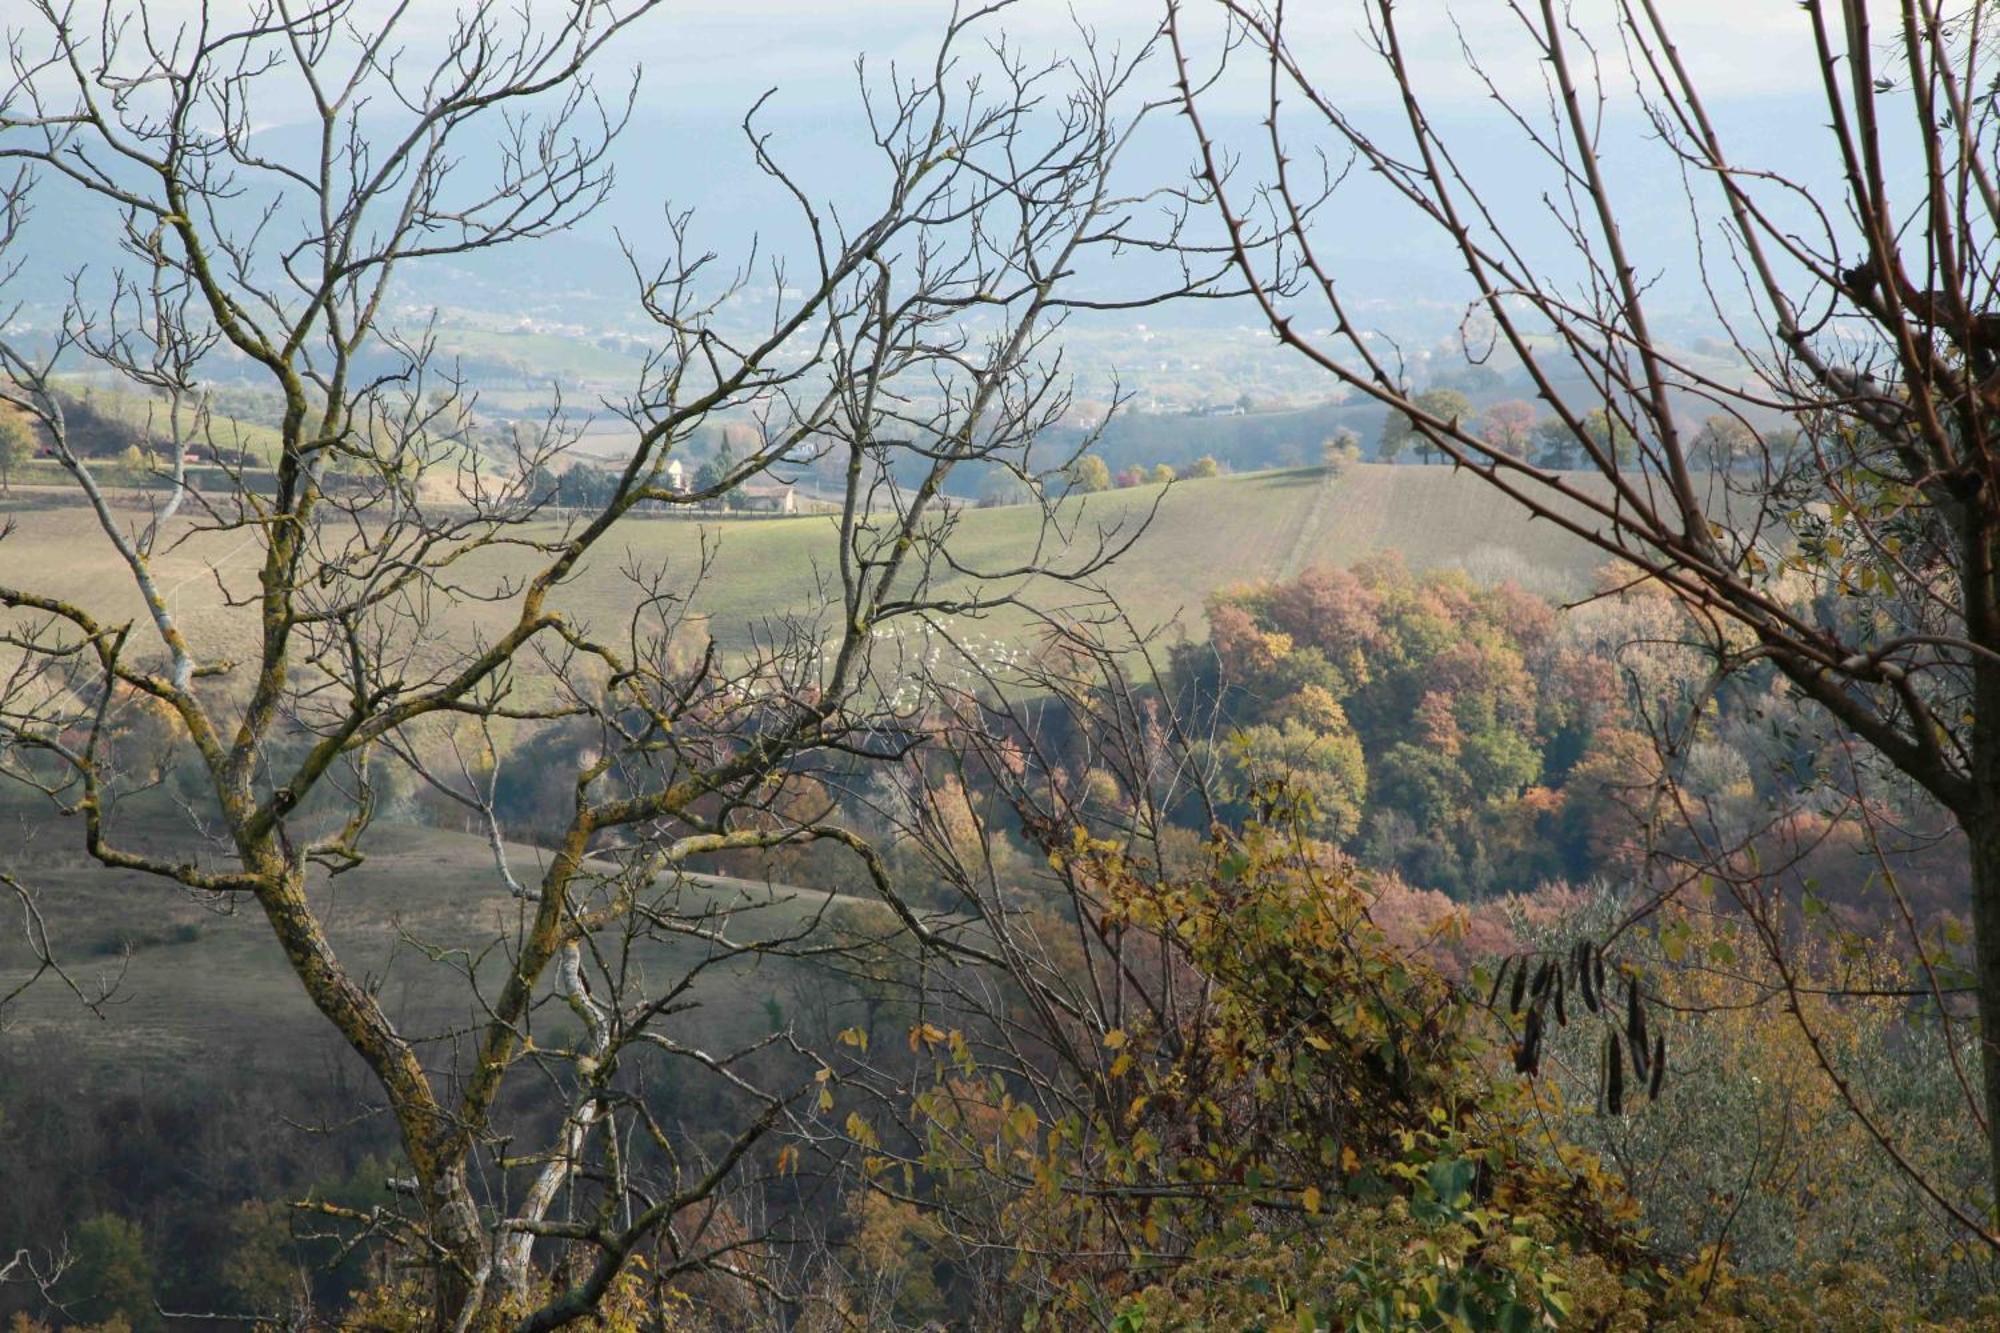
906	347
1853	551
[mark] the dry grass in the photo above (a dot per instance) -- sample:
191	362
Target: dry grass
206	982
1206	535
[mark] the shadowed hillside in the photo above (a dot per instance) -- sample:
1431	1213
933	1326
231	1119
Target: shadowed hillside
200	984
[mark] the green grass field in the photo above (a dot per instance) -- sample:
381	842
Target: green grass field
543	358
1206	535
133	408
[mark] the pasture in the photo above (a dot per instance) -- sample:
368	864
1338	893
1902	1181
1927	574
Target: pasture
1205	535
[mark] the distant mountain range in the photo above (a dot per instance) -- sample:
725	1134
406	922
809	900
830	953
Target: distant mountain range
1396	275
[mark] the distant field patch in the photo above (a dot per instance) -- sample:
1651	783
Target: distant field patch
1206	535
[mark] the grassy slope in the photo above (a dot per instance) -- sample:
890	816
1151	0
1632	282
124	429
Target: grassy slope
150	414
200	985
1207	535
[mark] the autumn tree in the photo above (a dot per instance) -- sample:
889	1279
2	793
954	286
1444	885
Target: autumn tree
1399	428
1860	565
1090	474
1201	1085
1611	437
17	446
1437	725
1339	452
1724	442
1508	426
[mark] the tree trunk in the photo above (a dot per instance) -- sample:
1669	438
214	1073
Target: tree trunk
1983	834
1979	816
463	1261
459	1254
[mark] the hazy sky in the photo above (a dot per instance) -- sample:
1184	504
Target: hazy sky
1736	46
726	50
706	61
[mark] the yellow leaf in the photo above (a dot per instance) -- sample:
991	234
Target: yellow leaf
1115	1038
1310	1198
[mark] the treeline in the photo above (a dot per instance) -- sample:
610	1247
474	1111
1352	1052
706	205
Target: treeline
232	1188
130	1191
1506	410
1242	442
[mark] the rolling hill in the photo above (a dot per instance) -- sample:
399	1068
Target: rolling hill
198	983
1205	535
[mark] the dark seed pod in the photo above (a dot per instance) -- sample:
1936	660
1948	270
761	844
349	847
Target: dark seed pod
1597	970
1583	978
1659	1066
1528	1055
1635	1020
1542	976
1579	958
1562	1014
1520	991
1493	996
1614	1078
